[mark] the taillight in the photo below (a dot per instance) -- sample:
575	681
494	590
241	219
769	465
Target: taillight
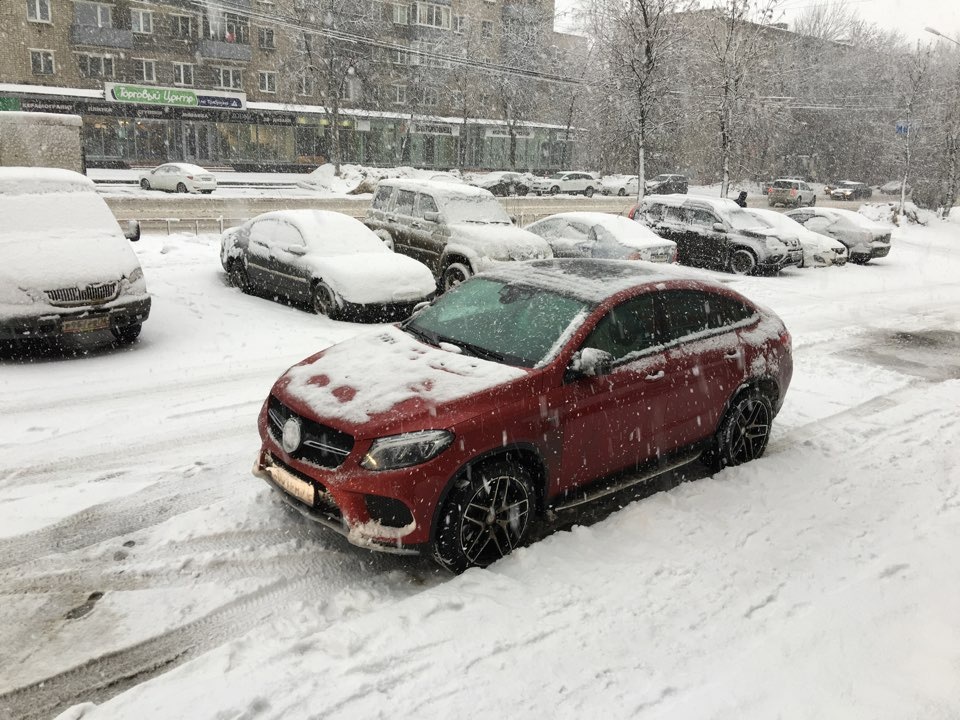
770	190
634	256
785	339
792	192
673	255
189	177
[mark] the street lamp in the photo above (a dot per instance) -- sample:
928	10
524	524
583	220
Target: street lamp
934	31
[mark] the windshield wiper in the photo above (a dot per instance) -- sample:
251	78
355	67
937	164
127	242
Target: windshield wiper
475	350
429	339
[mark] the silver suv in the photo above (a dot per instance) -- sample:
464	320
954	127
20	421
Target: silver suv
791	192
455	230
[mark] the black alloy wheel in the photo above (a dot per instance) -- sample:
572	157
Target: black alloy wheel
453	275
325	301
486	515
145	184
181	188
238	276
744	431
588	192
742	262
554	190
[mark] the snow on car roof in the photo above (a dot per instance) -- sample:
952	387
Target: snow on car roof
436	186
42	181
591	280
188	167
328	227
678	200
850	215
625	230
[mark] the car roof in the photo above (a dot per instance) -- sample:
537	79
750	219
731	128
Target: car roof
40	181
434	186
592	280
616	224
680	200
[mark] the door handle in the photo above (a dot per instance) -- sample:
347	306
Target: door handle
416	225
731	354
656	376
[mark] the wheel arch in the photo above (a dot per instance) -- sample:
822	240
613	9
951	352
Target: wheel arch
527	454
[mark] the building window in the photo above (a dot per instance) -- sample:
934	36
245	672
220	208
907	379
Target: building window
399	57
486	28
228	27
38	10
41	61
399	94
145	70
228	78
141	21
351	89
182	74
431	15
459	23
427	55
95	66
93	14
430	97
182	26
268	82
401	14
266	39
305	86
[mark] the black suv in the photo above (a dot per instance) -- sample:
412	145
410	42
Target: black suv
717	233
666	185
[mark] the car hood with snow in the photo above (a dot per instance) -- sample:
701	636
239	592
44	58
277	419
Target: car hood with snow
387	381
499	241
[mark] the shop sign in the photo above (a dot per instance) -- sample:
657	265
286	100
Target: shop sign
8	103
173	97
434	129
499	132
48	106
98	109
284	120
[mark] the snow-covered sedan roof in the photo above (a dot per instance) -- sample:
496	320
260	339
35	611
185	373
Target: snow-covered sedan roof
330	232
679	200
436	186
848	215
626	231
590	279
187	167
42	181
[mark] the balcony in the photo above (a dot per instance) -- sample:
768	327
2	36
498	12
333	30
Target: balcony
101	36
220	50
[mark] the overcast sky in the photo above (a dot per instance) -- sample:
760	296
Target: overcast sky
907	16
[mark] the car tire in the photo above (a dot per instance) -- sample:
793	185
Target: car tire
743	433
859	259
588	192
485	516
206	192
127	334
813	201
622	192
522	190
145	184
181	188
742	262
454	274
238	276
555	190
325	301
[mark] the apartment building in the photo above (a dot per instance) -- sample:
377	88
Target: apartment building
282	84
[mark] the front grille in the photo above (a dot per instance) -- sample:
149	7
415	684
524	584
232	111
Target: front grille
320	445
90	295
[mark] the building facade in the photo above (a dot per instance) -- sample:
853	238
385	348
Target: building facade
289	84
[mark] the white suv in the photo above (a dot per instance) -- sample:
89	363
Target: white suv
572	183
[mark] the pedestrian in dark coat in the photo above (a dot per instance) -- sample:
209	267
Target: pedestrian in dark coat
741	199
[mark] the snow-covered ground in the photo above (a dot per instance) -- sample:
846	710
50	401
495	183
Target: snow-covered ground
144	571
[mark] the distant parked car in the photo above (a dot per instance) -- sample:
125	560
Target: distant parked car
65	267
179	177
620	185
818	250
790	193
601	235
503	183
515	395
667	185
893	188
454	229
863	238
327	259
850	190
571	183
717	233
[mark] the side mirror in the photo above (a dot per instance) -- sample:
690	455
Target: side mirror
420	306
719	227
132	231
431	216
591	362
296	249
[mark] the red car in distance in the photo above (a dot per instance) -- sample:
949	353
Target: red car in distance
535	386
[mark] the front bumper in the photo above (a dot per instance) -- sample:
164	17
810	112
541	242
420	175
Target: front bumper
48	323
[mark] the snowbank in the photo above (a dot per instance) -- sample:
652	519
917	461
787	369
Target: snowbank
889	213
359	179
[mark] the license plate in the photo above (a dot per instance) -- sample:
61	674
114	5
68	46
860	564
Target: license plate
89	324
293	485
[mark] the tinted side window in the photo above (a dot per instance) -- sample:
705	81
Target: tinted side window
405	200
703	218
685	312
675	214
382	199
723	311
425	204
631	327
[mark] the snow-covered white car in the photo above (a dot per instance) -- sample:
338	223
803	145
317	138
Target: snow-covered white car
65	266
570	183
179	177
818	250
850	190
457	230
893	188
863	238
327	259
601	235
621	185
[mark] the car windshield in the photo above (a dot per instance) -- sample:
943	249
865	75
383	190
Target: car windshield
661	178
473	209
495	320
742	220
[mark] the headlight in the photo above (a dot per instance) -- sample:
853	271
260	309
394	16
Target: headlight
137	274
775	244
400	451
